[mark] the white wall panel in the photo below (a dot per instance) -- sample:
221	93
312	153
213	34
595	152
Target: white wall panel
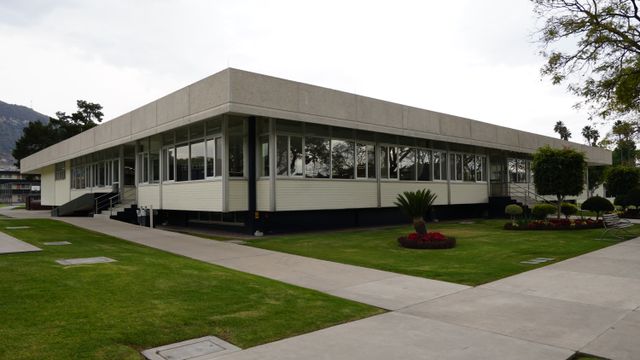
238	195
263	196
324	194
469	193
389	191
195	196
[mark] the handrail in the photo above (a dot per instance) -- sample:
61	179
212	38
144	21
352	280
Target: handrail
527	192
97	200
101	202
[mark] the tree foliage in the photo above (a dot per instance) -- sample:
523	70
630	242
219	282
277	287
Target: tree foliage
558	172
604	65
621	179
596	177
37	136
591	135
598	205
562	130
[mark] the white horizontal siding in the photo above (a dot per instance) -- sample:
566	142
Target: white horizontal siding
389	191
62	190
263	196
196	196
238	196
149	195
324	194
47	186
469	193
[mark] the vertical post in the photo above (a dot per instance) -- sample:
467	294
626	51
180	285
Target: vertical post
151	216
251	171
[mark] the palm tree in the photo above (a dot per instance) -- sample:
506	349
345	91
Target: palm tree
591	135
416	204
562	130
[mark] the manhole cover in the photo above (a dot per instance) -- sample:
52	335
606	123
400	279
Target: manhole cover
85	261
238	242
57	243
202	348
17	227
467	222
536	261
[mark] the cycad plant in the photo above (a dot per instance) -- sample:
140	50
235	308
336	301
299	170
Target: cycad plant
416	204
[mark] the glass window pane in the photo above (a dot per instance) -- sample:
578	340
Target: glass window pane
342	157
480	164
296	160
437	175
236	125
182	134
214	126
452	166
522	176
393	162
407	164
182	163
155	166
196	130
424	165
197	160
469	167
289	126
236	155
263	157
362	160
458	167
211	148
371	162
218	154
282	153
384	162
317	157
116	171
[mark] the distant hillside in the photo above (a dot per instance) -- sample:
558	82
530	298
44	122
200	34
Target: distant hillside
13	118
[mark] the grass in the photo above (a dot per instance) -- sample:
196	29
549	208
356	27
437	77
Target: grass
484	251
146	299
19	207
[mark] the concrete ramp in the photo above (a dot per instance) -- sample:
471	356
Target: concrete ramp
10	245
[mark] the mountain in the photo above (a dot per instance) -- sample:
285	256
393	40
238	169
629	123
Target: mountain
13	118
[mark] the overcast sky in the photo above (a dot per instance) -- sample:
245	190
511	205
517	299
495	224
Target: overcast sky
470	58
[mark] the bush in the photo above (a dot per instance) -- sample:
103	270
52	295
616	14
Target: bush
541	211
621	200
633	197
568	209
513	210
598	205
621	179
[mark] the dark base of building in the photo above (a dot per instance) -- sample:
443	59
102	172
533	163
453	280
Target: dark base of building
292	221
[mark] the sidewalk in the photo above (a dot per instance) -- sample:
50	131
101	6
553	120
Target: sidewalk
589	303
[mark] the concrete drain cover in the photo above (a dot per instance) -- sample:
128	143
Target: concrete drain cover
466	222
85	261
238	242
57	243
537	261
17	227
207	347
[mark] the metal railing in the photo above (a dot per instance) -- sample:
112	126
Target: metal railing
530	197
110	199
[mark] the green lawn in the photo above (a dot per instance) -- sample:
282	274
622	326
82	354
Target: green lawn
146	299
485	252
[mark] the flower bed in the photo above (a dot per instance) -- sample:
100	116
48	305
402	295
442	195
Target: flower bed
431	240
555	224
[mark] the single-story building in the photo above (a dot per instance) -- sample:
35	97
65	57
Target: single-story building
254	152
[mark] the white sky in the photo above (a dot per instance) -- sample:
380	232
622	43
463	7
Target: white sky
470	58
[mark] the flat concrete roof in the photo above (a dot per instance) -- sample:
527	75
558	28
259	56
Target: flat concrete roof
243	92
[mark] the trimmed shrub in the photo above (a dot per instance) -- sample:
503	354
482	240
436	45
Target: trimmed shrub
513	210
633	197
620	179
621	200
541	211
568	209
598	205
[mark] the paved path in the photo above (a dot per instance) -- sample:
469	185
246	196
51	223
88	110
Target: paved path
9	245
589	303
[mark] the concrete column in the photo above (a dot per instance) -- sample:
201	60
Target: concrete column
272	163
251	172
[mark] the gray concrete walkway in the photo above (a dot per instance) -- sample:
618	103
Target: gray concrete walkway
590	303
10	245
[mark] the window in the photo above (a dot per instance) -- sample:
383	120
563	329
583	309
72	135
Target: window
197	161
439	165
317	157
481	163
263	155
295	156
236	156
407	162
282	153
424	165
384	162
182	162
517	169
342	157
366	161
169	163
218	161
60	171
393	162
469	167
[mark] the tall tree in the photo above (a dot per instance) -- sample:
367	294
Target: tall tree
604	65
591	135
562	130
558	172
37	136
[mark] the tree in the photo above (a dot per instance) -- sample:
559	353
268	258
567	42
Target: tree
596	178
623	133
37	136
558	172
598	205
621	179
416	204
603	67
562	130
591	135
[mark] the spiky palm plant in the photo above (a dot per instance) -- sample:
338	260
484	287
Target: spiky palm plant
416	204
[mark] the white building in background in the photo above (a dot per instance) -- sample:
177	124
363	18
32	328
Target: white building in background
251	151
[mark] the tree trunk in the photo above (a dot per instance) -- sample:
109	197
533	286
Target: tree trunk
420	225
560	200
